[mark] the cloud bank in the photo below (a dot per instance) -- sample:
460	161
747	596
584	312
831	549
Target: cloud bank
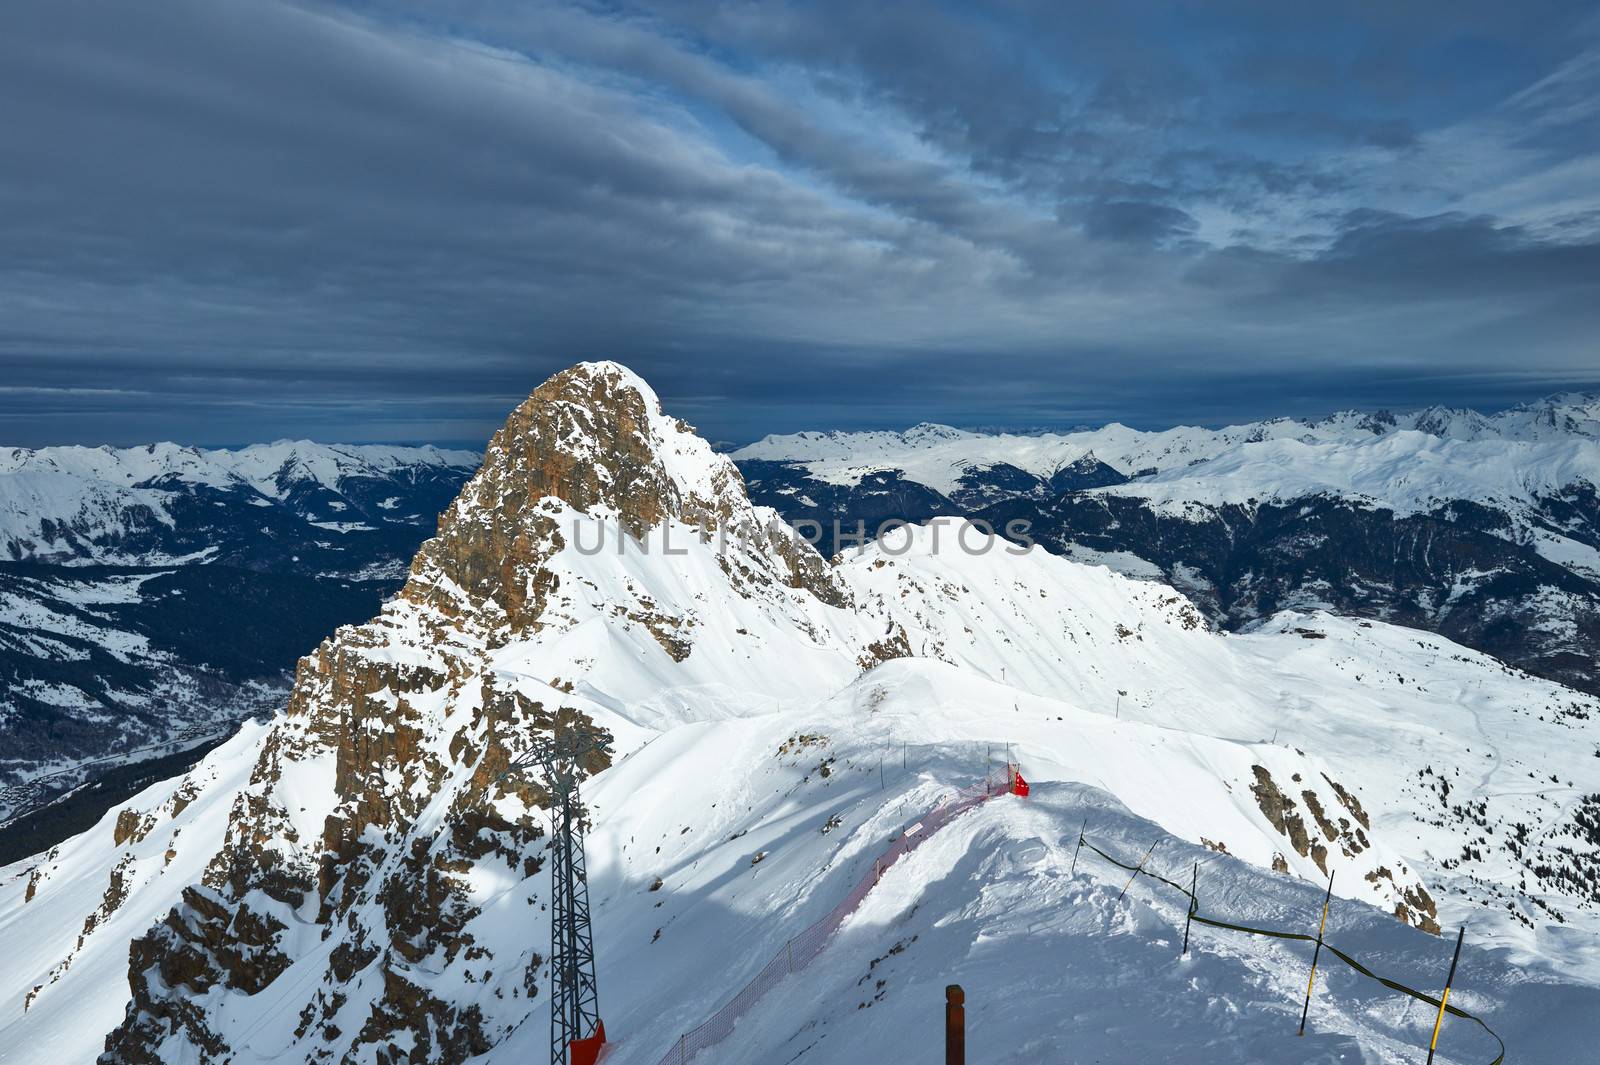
227	220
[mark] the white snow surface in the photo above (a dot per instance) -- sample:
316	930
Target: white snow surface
106	489
1406	462
1120	705
1407	472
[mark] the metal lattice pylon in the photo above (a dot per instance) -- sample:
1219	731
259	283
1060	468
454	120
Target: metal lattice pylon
575	1003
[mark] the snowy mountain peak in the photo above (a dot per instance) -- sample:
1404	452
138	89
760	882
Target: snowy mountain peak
592	440
1556	441
380	781
926	434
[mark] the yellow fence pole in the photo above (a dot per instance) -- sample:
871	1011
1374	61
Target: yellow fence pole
1321	928
1444	999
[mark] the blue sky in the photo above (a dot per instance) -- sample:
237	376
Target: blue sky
227	221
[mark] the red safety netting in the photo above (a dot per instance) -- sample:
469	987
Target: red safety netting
803	948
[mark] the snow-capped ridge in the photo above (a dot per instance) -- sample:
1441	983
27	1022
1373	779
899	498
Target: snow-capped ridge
84	505
592	443
1535	447
1407	471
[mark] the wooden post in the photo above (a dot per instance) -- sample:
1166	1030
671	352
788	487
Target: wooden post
955	1025
1074	870
1306	1009
1194	904
1445	998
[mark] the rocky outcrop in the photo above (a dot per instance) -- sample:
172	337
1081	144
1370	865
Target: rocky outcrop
1337	824
206	941
400	729
594	438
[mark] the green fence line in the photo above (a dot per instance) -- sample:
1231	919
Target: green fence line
1194	914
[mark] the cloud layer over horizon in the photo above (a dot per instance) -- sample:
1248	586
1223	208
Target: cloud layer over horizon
230	220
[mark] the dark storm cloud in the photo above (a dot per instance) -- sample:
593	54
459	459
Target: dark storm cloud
228	220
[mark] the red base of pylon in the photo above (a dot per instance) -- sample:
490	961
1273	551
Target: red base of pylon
587	1051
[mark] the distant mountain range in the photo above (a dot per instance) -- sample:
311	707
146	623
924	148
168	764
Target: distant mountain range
135	582
1485	528
294	505
152	597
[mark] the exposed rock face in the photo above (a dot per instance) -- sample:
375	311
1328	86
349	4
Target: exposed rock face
1343	826
376	795
597	441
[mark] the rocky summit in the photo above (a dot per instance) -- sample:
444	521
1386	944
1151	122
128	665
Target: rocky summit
375	796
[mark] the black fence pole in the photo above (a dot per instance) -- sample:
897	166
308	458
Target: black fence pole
1194	904
1074	870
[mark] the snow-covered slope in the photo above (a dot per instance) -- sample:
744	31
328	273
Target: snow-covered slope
83	688
1408	472
1482	528
374	887
99	665
102	666
1406	462
132	506
72	910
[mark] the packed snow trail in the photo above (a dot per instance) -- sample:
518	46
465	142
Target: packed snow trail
797	953
1057	967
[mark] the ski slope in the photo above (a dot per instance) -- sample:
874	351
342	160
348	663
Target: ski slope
1055	965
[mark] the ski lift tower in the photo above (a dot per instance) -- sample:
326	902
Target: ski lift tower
576	1031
